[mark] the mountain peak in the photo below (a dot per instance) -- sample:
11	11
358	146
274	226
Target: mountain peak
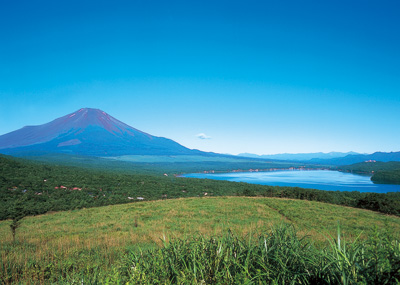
89	117
88	131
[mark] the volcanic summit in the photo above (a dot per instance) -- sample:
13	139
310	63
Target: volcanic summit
88	132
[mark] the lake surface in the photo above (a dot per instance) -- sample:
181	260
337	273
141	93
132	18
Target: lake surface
315	179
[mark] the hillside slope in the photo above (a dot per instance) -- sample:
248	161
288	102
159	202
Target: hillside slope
206	215
99	244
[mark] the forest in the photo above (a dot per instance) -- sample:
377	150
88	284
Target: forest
383	172
371	167
387	177
32	188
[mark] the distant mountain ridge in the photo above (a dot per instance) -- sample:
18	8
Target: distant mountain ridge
331	158
300	156
351	159
89	132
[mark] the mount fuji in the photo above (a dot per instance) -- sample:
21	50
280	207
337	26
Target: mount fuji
89	132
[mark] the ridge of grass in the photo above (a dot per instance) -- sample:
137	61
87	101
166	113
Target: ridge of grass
97	242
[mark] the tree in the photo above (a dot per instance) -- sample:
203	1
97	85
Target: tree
18	213
16	222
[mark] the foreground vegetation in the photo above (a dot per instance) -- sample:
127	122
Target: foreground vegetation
28	188
222	240
277	256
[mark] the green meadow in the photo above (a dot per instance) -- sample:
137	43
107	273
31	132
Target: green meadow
172	241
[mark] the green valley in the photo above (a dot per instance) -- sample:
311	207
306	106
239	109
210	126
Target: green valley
120	222
32	188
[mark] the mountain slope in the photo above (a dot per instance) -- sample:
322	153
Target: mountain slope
88	132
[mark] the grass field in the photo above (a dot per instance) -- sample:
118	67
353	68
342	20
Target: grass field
95	242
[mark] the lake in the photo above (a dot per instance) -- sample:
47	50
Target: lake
315	179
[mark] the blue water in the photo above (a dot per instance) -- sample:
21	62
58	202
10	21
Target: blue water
314	179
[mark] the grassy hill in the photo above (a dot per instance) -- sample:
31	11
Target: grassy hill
116	243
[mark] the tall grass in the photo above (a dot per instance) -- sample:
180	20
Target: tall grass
279	256
213	240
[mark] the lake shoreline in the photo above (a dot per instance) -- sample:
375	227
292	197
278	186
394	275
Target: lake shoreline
311	178
260	170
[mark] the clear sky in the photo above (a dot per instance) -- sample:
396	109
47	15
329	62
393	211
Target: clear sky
262	77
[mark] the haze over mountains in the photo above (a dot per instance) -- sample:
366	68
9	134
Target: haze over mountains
88	132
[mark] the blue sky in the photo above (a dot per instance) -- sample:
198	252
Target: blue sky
252	76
